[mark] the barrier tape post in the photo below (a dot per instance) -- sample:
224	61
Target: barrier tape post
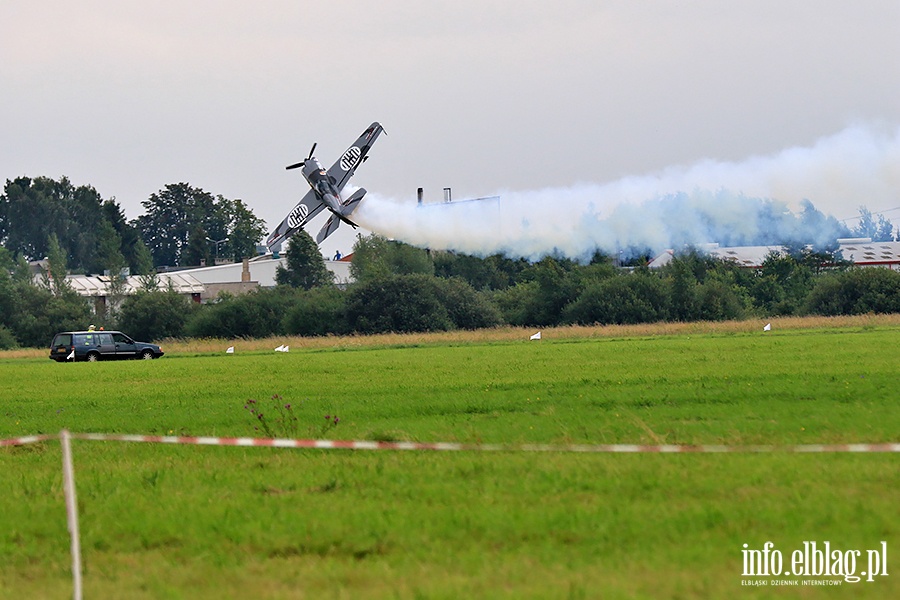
71	511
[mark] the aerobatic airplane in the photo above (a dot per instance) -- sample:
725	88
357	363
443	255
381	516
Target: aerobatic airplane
326	190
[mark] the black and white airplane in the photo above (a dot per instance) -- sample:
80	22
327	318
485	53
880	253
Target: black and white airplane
326	190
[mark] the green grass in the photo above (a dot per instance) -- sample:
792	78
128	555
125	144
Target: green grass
203	522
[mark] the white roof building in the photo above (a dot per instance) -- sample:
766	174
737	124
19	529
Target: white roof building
261	270
204	283
862	252
98	285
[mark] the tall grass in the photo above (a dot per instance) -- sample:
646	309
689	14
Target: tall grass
500	334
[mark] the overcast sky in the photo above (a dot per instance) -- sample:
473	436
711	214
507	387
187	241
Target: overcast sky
480	96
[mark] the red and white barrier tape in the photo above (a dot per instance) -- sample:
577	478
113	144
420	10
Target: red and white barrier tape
28	439
453	446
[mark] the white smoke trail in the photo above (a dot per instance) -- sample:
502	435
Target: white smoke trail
733	203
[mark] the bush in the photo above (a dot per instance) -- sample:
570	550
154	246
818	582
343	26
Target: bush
403	304
514	302
375	257
154	315
38	314
256	314
718	301
305	268
317	312
625	299
7	339
467	308
856	291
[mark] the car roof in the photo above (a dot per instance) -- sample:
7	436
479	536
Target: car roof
95	331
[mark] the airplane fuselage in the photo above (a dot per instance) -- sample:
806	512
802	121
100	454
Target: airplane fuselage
322	185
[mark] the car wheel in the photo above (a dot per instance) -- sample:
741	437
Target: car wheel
147	354
93	357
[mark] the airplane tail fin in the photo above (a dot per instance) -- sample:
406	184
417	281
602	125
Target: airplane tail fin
334	220
350	205
330	227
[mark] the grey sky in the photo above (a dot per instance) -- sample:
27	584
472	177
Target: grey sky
480	95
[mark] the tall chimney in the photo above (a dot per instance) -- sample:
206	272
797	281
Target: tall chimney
245	271
447	194
419	193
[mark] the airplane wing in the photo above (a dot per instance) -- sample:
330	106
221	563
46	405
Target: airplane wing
341	171
300	215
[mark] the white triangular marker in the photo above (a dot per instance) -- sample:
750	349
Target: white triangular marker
230	350
280	348
768	327
536	336
71	355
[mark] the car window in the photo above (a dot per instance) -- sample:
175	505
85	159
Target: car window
63	339
105	338
85	339
121	338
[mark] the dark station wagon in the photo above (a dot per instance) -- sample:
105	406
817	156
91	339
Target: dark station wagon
99	345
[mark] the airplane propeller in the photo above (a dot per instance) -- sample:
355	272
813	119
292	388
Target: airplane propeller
302	162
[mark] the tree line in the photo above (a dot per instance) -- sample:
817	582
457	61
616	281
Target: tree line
399	288
180	227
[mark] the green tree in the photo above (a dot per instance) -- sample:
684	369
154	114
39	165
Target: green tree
781	284
819	231
197	251
172	214
555	286
719	301
29	313
56	267
7	300
682	280
496	272
375	257
33	209
152	316
856	291
30	210
244	229
305	267
40	314
317	312
513	302
114	264
879	230
177	211
400	303
256	314
624	299
134	251
109	248
467	308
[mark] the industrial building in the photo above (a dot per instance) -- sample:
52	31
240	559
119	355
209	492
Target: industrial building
202	284
862	252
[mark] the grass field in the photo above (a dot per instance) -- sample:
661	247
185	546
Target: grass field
205	522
